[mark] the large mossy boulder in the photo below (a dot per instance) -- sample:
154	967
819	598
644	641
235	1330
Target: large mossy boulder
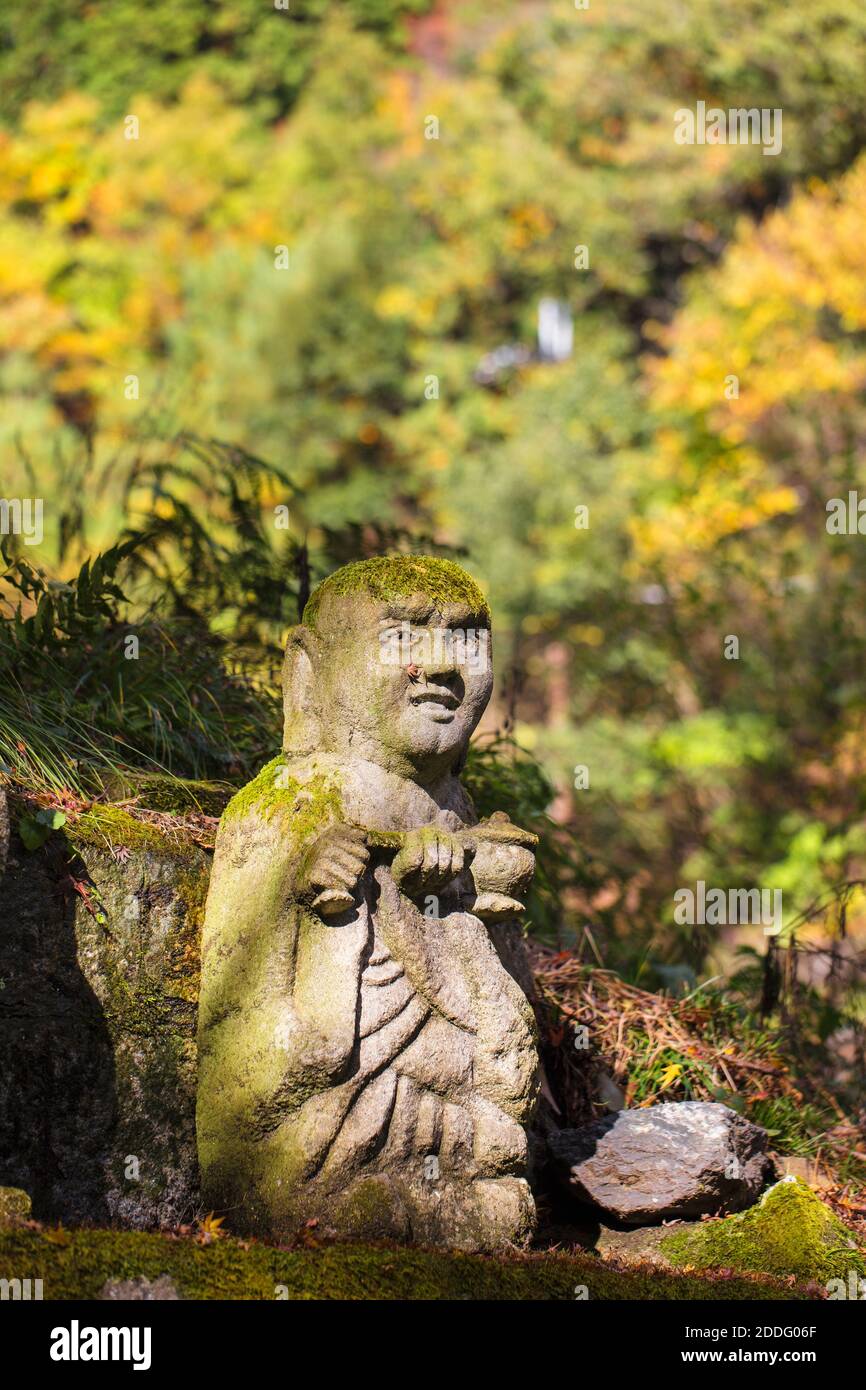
790	1233
99	977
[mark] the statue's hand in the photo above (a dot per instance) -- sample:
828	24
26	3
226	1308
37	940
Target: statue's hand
429	860
333	867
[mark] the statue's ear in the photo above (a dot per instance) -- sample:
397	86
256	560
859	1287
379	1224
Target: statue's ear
301	723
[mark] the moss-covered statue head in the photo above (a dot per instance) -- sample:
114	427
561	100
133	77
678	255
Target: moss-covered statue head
391	664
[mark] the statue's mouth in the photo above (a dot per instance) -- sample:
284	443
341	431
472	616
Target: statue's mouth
445	699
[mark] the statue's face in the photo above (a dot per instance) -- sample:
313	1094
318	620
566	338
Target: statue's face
403	680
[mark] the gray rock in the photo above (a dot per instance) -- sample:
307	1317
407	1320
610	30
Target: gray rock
139	1289
97	1022
677	1160
640	1244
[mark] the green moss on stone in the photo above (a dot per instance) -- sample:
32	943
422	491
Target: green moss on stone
77	1264
107	827
789	1232
368	1210
176	877
397	576
308	805
183	957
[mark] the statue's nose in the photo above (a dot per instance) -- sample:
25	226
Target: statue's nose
442	665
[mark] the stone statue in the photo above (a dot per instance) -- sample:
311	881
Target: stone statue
367	1056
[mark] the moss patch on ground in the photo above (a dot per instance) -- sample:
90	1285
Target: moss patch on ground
110	827
397	576
789	1232
77	1264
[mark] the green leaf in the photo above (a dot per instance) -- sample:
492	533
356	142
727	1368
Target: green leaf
34	830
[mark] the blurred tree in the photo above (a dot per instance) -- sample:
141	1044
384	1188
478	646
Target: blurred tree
259	54
330	216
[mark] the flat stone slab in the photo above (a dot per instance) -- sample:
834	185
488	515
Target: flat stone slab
640	1245
673	1161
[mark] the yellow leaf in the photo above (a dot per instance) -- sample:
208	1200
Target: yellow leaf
209	1225
669	1075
